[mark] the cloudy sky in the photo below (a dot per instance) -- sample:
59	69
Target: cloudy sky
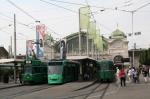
61	18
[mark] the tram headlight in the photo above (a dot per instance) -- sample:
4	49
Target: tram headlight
28	62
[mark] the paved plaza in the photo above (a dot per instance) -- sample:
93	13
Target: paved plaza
78	90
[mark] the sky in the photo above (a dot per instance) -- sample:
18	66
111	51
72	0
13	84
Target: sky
62	19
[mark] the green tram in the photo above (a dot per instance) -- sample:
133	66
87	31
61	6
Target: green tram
62	71
34	71
106	70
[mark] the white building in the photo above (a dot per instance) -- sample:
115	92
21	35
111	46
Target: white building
118	44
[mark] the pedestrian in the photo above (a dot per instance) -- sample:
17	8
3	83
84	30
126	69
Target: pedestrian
129	74
117	75
133	70
148	71
145	73
135	76
122	77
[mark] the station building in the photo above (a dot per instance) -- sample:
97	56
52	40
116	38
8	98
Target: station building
115	45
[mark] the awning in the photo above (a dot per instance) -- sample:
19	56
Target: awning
79	58
11	60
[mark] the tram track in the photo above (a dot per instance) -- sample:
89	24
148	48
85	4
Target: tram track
87	93
92	91
101	96
87	86
15	92
29	91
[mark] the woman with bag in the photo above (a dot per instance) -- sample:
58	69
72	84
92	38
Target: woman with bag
122	77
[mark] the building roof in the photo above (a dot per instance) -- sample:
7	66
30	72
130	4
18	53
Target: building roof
73	35
118	34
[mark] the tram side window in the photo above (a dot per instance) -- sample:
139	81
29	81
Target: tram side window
99	67
44	69
66	71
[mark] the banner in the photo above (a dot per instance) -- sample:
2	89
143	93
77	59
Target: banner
84	17
101	44
98	41
40	34
29	49
41	30
92	30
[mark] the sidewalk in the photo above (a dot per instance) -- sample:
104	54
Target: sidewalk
9	85
131	91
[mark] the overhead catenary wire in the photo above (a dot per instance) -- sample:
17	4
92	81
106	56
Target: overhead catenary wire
26	13
142	6
11	20
92	13
58	6
21	10
62	7
118	8
132	11
81	4
128	1
74	11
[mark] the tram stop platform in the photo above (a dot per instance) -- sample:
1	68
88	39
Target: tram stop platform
9	85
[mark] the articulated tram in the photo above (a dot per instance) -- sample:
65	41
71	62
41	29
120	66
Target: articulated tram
62	71
106	70
34	71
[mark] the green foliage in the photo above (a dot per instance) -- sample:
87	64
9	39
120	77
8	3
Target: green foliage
148	56
145	57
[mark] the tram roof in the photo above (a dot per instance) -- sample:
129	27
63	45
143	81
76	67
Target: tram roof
11	60
80	58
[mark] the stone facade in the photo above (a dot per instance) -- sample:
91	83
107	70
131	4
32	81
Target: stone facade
117	44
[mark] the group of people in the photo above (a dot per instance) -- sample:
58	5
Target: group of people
132	74
146	72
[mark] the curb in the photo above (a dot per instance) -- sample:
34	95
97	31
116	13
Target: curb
7	87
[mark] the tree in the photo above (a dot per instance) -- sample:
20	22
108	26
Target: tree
148	56
142	57
145	57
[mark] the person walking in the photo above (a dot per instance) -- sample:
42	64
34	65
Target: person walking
130	74
117	75
135	76
122	77
145	74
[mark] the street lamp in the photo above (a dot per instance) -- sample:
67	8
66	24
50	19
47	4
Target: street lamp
132	13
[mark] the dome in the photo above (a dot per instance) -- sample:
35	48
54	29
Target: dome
117	34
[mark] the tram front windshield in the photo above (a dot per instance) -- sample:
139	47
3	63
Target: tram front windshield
27	70
55	69
104	66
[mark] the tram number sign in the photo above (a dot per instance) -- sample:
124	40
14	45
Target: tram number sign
118	59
